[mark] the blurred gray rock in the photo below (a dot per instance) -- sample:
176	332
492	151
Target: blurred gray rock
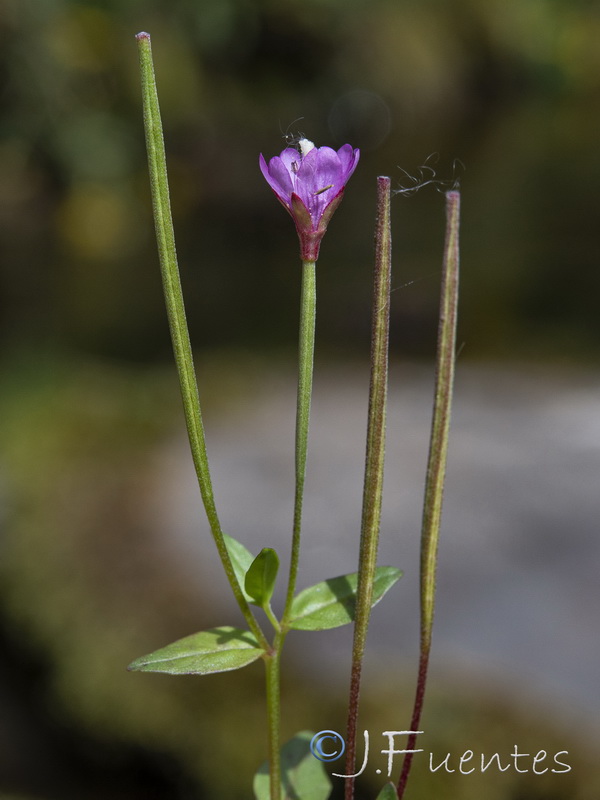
518	594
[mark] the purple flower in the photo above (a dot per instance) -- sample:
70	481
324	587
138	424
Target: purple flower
310	183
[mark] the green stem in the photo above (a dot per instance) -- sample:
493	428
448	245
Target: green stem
436	466
273	662
306	352
272	618
374	463
165	238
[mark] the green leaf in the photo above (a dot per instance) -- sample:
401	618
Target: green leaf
332	603
303	777
387	793
216	650
241	559
261	577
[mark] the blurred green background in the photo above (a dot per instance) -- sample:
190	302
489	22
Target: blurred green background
503	94
509	88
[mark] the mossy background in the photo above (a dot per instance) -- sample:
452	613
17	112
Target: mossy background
88	391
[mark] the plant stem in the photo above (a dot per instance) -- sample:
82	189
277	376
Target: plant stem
306	349
306	352
273	663
272	618
436	465
165	238
374	463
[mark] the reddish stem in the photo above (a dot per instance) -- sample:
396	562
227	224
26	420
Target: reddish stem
415	721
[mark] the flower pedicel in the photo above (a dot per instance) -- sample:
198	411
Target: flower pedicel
310	184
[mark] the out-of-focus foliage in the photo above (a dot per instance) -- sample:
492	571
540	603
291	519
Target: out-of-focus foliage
84	595
509	88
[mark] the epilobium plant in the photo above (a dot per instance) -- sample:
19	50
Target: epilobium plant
310	183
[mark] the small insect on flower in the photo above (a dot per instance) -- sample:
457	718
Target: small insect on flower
309	182
305	146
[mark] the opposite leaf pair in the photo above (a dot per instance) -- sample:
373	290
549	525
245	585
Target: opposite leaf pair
329	604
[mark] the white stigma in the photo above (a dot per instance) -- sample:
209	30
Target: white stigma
305	146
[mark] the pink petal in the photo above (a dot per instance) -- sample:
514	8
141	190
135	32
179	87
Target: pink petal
329	170
291	158
278	177
319	179
348	160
